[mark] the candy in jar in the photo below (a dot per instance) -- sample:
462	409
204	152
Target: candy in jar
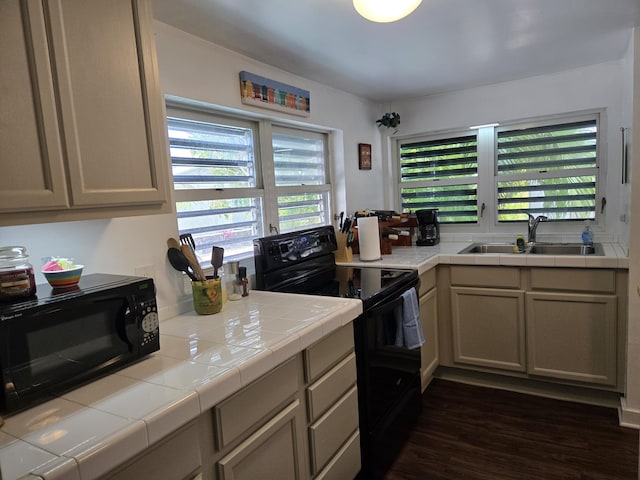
17	280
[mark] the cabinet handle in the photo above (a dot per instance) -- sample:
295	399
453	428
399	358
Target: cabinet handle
624	155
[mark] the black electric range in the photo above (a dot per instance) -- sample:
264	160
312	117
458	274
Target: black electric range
388	375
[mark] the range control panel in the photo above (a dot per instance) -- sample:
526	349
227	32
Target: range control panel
290	248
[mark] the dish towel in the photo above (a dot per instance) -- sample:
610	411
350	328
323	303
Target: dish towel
409	332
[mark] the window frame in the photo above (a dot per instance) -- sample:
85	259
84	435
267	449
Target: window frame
465	180
487	179
265	190
282	190
558	120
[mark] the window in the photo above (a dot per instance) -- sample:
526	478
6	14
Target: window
441	173
499	174
301	183
225	186
547	170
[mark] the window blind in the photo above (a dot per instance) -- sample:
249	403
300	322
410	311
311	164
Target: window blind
439	173
547	170
301	181
216	158
207	155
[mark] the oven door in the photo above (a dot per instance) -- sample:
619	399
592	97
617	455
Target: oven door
54	348
388	384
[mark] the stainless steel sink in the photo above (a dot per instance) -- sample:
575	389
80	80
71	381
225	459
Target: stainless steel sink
489	248
536	249
566	249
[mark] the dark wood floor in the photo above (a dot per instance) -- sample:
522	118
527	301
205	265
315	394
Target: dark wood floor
467	432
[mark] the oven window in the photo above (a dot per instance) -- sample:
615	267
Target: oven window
62	348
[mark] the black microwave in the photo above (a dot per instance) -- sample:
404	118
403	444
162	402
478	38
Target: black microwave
64	338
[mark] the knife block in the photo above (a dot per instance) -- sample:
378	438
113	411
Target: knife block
343	253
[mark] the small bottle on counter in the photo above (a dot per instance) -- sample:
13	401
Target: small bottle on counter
17	280
223	288
587	234
243	281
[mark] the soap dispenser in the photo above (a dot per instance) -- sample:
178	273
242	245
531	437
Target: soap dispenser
587	234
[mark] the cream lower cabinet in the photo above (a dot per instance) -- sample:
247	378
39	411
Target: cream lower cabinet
82	126
572	336
488	327
428	300
259	431
299	421
271	452
332	407
566	325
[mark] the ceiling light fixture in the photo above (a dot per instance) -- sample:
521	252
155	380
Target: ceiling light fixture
384	11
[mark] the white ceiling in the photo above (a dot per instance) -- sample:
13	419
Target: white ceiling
444	45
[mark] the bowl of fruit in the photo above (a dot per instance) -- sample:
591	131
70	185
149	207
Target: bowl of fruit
62	272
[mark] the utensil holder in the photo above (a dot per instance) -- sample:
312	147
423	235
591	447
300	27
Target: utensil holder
207	296
343	253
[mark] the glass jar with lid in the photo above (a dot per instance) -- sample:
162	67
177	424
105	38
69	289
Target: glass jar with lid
17	280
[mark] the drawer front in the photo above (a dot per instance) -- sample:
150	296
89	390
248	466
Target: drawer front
427	281
330	432
346	463
323	355
495	277
271	452
330	387
573	279
182	448
250	405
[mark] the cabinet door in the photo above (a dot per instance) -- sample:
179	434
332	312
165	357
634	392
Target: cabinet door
272	452
110	104
488	327
32	159
572	336
429	351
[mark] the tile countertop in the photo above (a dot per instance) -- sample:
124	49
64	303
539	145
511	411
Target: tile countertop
425	258
202	360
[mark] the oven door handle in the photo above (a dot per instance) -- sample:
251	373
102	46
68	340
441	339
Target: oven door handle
385	307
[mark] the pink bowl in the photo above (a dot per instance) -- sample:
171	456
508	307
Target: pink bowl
64	278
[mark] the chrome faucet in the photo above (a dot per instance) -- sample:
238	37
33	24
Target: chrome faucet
533	226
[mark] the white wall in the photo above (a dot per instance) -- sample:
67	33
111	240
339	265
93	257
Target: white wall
107	246
631	406
194	68
594	87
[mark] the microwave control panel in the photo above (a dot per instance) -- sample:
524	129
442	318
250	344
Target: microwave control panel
149	325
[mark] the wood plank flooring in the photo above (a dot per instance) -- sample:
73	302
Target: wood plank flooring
468	432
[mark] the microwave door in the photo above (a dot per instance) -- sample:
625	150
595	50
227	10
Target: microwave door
58	346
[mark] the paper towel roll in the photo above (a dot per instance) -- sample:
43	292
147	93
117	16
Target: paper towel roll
369	238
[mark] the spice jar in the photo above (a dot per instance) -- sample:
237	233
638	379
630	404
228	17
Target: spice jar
17	280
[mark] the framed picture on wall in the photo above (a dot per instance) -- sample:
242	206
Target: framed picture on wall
266	93
364	156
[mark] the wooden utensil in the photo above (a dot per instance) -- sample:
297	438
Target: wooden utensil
193	261
173	243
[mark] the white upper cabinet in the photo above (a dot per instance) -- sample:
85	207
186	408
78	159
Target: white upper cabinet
82	126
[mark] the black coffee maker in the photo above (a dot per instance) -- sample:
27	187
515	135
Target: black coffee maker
428	227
